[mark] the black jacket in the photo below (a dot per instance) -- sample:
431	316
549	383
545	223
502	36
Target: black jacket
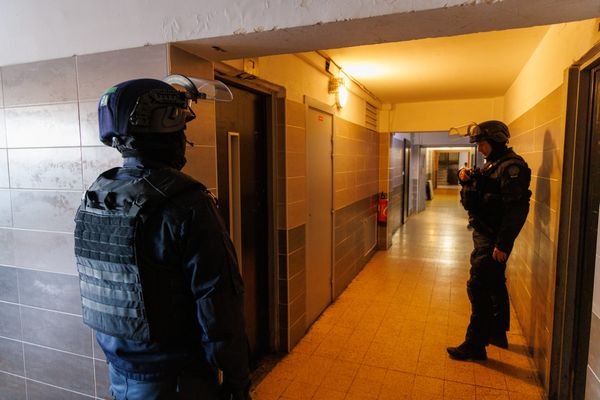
187	234
499	198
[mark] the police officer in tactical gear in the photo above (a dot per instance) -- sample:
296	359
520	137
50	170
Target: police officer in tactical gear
497	200
158	273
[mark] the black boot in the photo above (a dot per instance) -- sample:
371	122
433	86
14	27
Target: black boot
467	351
499	339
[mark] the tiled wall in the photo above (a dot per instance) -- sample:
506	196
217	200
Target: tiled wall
384	235
291	203
538	136
49	152
356	172
592	389
202	157
356	183
396	181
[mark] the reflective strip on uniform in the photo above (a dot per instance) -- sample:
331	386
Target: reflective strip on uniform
125	277
116	294
108	309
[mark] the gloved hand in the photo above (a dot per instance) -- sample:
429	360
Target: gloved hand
230	392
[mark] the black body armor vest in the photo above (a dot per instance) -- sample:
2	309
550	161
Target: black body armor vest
123	293
483	192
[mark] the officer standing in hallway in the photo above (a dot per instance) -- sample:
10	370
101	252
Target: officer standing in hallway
497	200
158	273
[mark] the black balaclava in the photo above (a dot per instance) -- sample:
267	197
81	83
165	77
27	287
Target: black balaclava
155	150
498	150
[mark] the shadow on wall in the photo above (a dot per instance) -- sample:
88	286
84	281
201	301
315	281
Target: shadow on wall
544	254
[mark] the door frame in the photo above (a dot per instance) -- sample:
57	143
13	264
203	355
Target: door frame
407	146
575	270
310	102
275	131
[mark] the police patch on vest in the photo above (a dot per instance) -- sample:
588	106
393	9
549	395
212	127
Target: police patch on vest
513	171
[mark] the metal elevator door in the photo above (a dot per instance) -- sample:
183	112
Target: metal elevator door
242	186
319	130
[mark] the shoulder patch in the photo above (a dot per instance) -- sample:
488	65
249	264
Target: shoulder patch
513	171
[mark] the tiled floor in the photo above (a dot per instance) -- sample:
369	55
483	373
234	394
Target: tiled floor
385	337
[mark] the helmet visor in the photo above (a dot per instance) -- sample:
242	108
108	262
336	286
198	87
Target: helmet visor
197	88
470	130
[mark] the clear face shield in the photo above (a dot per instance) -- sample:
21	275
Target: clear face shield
163	111
470	130
200	89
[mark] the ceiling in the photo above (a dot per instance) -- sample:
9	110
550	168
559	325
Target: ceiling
475	65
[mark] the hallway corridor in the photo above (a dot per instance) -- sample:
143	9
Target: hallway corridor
385	337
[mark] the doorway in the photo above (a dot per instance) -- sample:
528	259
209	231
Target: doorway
241	127
575	367
406	181
319	167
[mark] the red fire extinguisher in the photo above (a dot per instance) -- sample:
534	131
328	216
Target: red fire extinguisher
382	208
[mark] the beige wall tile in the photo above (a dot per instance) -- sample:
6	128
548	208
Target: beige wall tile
202	165
523	124
200	131
88	123
5	209
2	129
295	114
58	168
295	164
548	136
42	126
295	139
40	82
97	72
550	107
3	168
1	91
96	160
296	189
296	214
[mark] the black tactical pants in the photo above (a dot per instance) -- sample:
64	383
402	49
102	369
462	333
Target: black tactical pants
486	287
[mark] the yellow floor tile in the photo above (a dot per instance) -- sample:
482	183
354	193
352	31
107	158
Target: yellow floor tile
385	336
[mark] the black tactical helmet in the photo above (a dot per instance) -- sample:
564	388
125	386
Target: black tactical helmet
152	106
491	131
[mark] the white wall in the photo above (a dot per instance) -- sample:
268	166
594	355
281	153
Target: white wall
440	115
544	72
33	30
304	75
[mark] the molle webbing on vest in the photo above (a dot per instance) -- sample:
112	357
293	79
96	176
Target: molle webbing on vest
111	278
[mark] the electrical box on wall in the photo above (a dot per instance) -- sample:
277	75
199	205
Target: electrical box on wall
251	66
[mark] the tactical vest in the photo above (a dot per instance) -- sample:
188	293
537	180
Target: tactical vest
483	193
489	185
123	293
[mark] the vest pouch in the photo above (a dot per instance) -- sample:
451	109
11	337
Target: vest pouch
469	197
109	279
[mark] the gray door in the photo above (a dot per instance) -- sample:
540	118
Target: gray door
319	128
